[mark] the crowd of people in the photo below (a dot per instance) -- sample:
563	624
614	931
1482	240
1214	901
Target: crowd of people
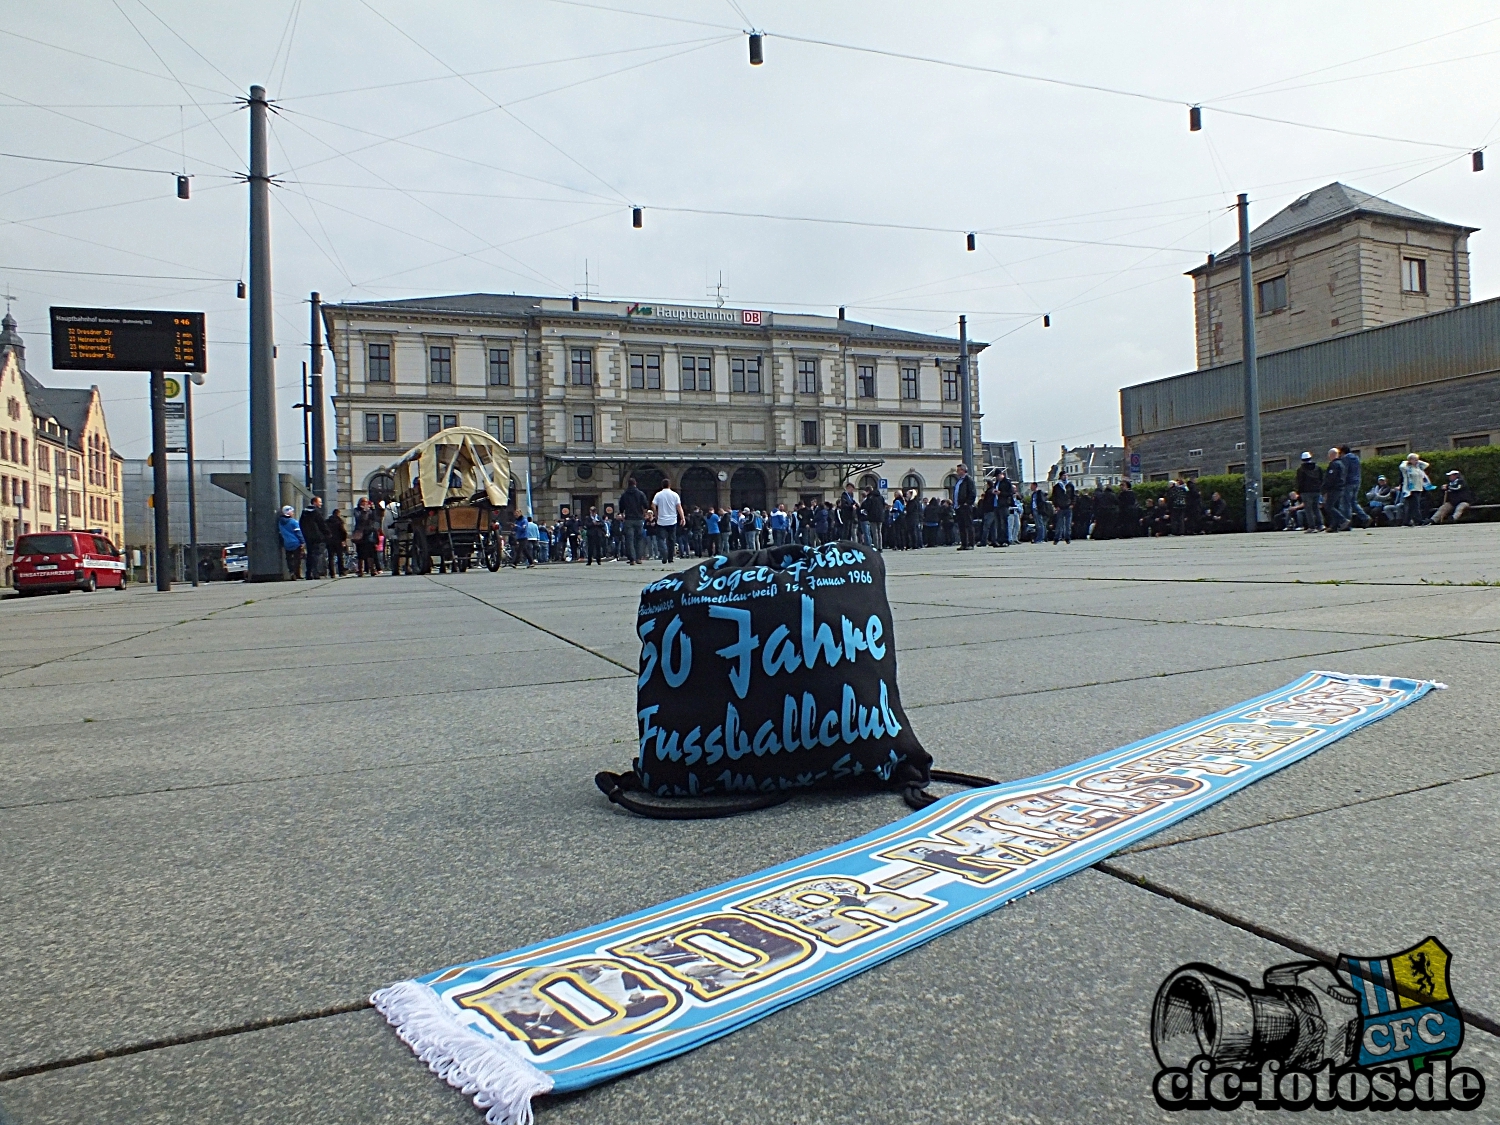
1327	497
639	529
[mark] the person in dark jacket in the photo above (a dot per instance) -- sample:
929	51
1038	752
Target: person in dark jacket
1334	516
1106	513
963	507
366	536
1128	521
1457	497
633	504
1194	508
873	509
1083	514
338	540
315	533
1062	505
1218	514
1310	487
1005	494
1353	473
1177	503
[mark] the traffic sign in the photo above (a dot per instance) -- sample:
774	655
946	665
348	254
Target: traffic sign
884	484
127	340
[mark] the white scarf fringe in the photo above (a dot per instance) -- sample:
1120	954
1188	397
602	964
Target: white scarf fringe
491	1071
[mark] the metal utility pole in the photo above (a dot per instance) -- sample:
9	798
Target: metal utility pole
306	435
193	377
159	480
1033	462
1252	381
319	437
967	444
267	561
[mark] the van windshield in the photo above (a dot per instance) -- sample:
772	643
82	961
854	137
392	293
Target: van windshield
44	545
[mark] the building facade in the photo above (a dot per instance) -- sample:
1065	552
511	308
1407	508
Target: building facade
1335	261
1428	383
58	470
1089	466
739	407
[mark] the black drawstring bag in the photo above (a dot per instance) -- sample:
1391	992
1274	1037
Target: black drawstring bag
764	673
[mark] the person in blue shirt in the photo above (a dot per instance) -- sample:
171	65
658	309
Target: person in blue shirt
1352	474
778	526
292	540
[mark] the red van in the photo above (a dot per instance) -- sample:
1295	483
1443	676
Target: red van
66	560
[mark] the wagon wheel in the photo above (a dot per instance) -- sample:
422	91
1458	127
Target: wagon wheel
421	557
490	547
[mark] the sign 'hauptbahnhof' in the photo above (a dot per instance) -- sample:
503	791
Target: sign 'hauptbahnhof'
738	406
127	340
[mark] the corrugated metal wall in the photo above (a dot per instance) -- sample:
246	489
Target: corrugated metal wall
1425	349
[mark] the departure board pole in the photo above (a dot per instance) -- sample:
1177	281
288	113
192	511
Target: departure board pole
159	480
267	562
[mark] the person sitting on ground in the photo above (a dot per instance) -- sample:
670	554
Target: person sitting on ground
1286	518
1380	498
1457	496
1218	514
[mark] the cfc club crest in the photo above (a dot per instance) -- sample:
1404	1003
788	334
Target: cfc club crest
1371	1033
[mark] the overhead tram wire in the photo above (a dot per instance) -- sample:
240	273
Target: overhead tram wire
122	152
505	69
1366	74
167	66
233	84
535	273
332	254
110	62
498	105
1360	59
646	15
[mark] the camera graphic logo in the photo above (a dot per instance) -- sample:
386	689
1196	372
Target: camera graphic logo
1371	1033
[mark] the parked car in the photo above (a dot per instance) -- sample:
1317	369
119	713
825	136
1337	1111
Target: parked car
67	560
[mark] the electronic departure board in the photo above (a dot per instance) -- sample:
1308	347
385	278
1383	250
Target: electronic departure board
127	340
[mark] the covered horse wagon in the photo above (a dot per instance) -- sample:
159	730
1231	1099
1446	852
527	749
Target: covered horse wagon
450	492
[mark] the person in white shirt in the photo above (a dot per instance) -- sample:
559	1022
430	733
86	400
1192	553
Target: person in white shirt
668	507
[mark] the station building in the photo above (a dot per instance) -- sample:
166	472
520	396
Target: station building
738	406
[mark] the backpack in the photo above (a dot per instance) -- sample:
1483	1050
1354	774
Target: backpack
763	673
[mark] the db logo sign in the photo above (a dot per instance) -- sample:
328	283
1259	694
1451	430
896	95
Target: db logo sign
749	316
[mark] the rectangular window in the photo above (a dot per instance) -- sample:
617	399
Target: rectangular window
911	436
583	367
499	367
909	384
434	424
1272	294
1414	275
698	373
492	425
25	452
583	427
380	363
867	435
75	503
1471	441
440	364
645	372
43	498
1274	465
953	437
744	375
449	421
508	430
807	376
950	384
810	431
372	427
864	381
75	466
44	458
1396	450
387	427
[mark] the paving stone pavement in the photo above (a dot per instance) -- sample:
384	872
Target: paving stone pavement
228	814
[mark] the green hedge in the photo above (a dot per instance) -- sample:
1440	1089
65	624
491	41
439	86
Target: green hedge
1480	467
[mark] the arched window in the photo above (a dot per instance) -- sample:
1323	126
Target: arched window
648	479
747	488
869	480
948	482
699	488
912	482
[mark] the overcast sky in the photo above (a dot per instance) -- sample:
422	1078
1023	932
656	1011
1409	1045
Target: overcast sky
398	179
